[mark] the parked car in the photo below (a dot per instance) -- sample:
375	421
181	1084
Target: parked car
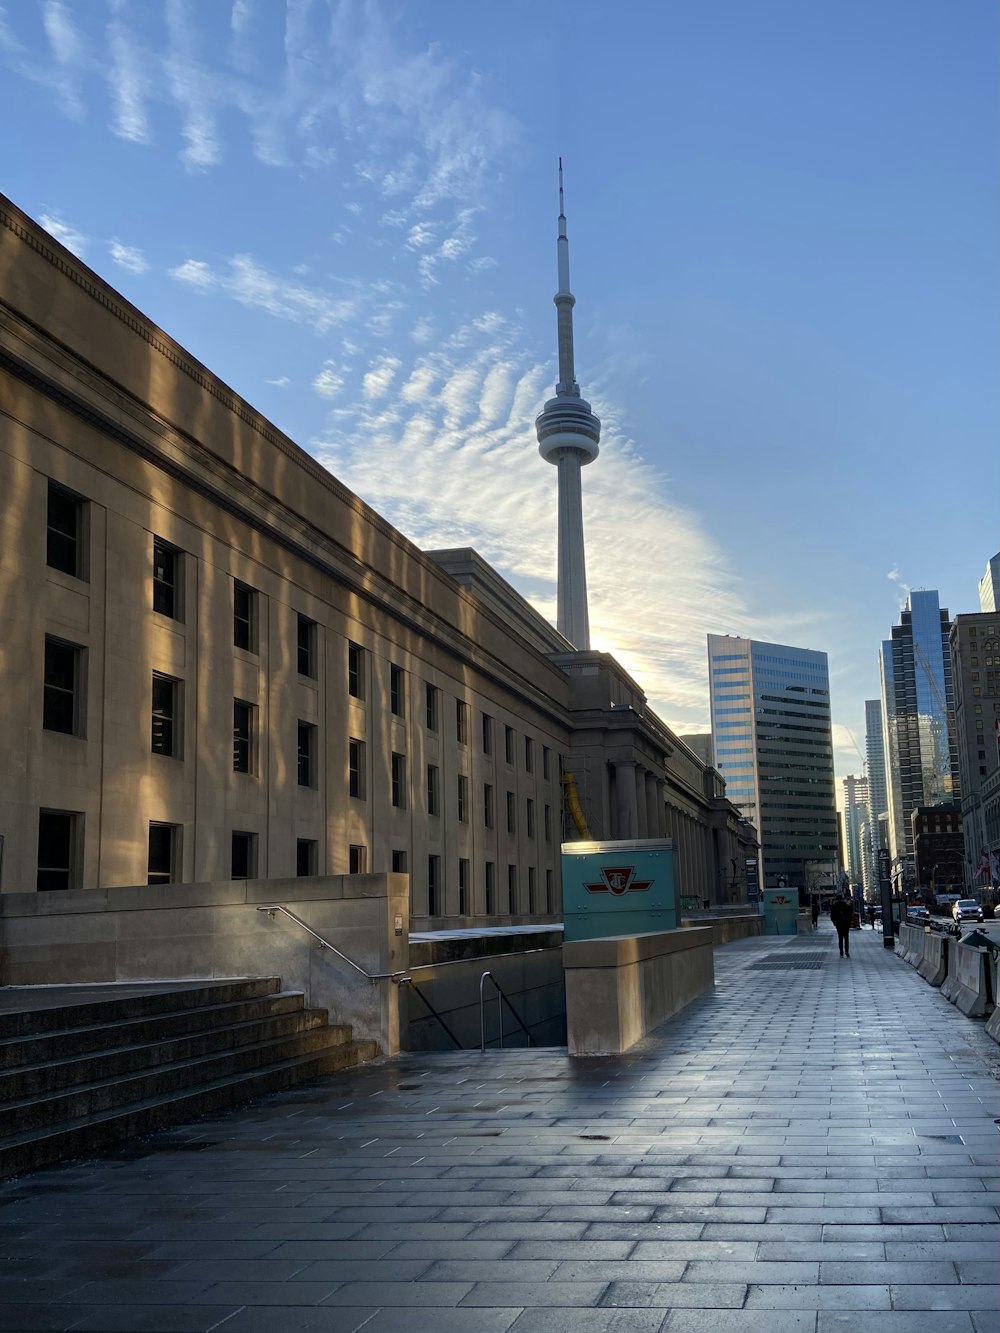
967	909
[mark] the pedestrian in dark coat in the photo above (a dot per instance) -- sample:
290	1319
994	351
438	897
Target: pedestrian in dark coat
842	914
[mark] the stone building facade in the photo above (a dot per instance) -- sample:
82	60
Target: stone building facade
217	662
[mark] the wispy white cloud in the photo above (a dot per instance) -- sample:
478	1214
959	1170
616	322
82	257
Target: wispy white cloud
377	381
282	382
330	380
128	80
251	284
128	257
67	51
65	233
192	88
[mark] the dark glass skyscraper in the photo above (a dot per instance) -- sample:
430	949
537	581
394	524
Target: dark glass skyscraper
773	743
921	753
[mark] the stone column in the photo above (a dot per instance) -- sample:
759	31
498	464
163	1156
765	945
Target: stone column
652	809
662	819
628	818
640	801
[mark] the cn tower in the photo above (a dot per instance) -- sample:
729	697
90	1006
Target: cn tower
568	436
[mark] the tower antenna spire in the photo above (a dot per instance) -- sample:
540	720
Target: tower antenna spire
569	436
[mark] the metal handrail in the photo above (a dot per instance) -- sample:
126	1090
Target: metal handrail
458	962
482	1011
271	908
415	990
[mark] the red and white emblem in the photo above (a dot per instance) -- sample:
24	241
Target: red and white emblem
619	880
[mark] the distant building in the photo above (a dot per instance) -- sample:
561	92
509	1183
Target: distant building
856	817
773	744
878	803
701	744
989	585
921	753
938	848
975	655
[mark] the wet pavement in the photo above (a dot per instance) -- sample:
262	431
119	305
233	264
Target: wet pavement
813	1146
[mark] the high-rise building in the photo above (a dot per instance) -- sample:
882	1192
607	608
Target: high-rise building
975	658
875	830
989	585
773	744
855	817
921	754
568	436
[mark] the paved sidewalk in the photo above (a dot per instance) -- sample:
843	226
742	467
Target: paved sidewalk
811	1147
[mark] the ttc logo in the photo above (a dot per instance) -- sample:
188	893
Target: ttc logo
619	880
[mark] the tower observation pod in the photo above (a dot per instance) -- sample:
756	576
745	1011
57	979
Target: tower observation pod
569	434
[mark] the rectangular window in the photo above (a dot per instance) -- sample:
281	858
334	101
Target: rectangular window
461	722
547	822
463	887
433	885
306	856
463	799
307	755
432	698
242	736
491	888
529	820
161	859
487	734
397	691
512	888
305	642
545	762
64	538
529	755
433	789
356	781
357	859
244	617
548	891
59	850
61	703
532	905
510	812
166	715
166	579
399	861
244	855
355	671
399	781
487	805
508	744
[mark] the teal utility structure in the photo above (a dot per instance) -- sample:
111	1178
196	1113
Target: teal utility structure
781	911
618	888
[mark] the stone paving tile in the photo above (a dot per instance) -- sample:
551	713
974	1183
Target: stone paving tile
766	1160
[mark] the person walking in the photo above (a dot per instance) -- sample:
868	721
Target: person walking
842	914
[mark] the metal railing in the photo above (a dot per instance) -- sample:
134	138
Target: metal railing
415	990
373	977
501	1001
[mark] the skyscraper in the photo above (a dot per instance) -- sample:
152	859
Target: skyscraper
773	744
875	832
568	436
989	585
921	754
856	816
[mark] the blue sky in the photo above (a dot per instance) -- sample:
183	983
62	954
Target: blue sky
783	222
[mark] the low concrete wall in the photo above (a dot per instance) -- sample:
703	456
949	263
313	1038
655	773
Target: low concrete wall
737	926
968	985
619	989
933	967
178	931
910	944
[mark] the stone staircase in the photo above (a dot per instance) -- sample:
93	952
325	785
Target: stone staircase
77	1077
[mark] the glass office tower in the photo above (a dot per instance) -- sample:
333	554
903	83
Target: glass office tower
773	743
918	702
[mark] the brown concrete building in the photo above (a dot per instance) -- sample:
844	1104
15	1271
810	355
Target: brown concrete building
219	662
974	641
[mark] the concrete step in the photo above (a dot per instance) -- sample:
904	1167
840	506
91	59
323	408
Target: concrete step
30	1081
74	1040
107	1094
27	1151
29	1021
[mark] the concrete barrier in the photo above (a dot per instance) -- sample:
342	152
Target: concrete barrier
910	944
933	966
181	931
619	989
731	926
968	985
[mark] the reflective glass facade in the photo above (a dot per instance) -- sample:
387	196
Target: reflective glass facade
921	753
772	741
